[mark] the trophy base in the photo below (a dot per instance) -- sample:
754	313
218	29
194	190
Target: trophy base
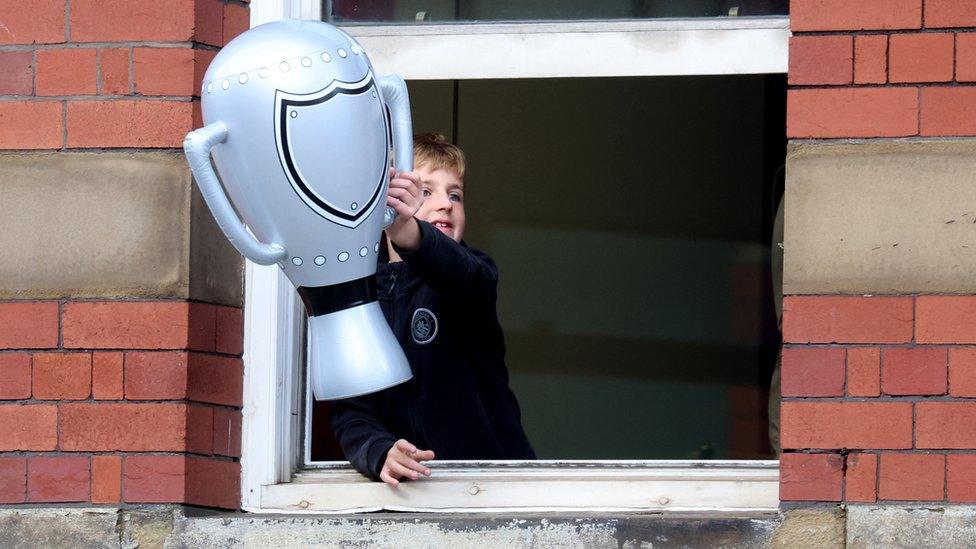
353	352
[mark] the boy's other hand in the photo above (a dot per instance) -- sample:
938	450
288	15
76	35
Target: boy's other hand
403	461
404	197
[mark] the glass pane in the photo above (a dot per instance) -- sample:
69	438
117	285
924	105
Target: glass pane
631	221
445	11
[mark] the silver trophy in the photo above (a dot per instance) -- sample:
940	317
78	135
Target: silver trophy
301	132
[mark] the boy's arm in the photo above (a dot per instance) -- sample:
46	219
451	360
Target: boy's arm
363	438
449	267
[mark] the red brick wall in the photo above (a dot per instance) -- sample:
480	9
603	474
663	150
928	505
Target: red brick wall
876	390
107	73
109	402
115	401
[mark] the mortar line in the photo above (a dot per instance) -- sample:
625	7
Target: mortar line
33	72
67	20
98	71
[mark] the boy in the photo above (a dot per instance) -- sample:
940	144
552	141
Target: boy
439	297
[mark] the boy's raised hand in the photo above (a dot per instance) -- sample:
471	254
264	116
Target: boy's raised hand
404	196
403	461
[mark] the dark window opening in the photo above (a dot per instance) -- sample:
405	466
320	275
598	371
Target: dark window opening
452	11
632	220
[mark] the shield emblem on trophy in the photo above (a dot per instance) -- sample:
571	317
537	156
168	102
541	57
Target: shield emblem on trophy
325	167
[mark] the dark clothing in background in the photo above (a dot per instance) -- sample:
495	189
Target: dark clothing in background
440	303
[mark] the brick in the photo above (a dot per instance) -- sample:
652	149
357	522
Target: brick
869	425
61	478
961	478
107	376
28	427
163	71
155	375
208	22
215	379
860	479
201	61
945	319
227	432
15	376
154	479
30	125
948	112
34	22
966	57
197	114
237	19
106	479
945	425
213	483
821	59
824	15
911	477
923	57
13	479
914	371
131	20
69	71
28	324
62	376
127	427
813	371
115	71
864	372
962	371
230	330
949	13
199	429
839	319
126	325
17	68
870	59
125	123
852	112
810	477
203	327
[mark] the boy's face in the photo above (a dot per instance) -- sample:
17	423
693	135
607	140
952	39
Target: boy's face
443	205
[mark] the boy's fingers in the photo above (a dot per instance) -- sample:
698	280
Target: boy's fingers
402	470
402	194
400	207
424	455
405	446
402	183
411	463
385	477
412	176
399	193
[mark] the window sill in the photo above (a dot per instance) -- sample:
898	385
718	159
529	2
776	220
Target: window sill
520	487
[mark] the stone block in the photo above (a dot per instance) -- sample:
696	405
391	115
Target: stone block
905	526
880	217
119	224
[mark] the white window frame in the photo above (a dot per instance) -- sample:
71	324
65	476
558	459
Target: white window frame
273	478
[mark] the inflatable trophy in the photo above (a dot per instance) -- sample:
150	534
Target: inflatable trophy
301	132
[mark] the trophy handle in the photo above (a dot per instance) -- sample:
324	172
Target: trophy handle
395	96
197	146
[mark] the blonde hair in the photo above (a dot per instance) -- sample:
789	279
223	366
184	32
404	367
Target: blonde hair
438	153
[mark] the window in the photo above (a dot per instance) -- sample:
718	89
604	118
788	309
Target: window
280	475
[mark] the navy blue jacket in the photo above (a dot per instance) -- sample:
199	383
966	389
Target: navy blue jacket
440	302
